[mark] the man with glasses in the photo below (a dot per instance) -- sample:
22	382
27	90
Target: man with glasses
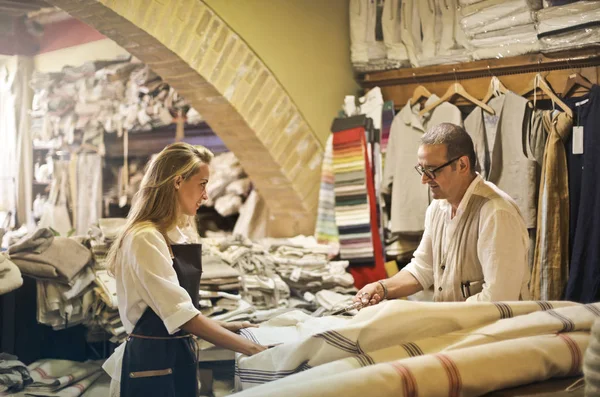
475	243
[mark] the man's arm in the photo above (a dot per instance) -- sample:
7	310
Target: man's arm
502	251
417	275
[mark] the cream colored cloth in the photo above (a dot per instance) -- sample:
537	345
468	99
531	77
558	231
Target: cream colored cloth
450	341
10	275
62	259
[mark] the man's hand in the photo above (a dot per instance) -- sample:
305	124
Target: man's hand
235	326
369	295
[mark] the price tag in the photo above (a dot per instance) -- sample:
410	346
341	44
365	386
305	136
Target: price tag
578	140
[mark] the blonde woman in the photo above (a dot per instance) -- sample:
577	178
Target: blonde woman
156	261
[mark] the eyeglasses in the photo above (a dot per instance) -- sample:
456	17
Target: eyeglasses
430	173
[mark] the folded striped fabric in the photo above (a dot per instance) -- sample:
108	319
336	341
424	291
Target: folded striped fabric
451	342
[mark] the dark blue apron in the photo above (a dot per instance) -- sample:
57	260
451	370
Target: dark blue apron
156	363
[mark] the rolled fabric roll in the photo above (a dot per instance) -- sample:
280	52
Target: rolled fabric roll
591	363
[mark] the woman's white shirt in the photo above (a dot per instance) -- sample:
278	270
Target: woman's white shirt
146	278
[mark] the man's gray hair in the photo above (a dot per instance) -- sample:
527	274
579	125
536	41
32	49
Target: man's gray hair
457	141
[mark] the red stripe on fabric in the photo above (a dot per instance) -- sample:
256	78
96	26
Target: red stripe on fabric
576	356
42	373
454	379
409	382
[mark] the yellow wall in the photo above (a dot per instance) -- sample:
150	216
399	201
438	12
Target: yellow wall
77	55
305	43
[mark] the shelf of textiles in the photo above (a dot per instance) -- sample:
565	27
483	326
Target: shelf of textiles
516	73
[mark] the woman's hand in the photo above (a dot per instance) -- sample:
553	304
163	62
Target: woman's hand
235	326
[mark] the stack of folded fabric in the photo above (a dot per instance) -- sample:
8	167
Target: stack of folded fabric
304	266
500	29
326	230
260	284
62	377
229	185
569	26
106	309
14	375
62	267
218	275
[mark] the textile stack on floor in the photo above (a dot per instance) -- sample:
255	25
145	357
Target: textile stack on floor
63	269
500	29
14	375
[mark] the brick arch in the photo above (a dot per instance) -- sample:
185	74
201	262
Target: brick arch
197	53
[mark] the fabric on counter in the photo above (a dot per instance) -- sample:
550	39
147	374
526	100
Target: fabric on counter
424	332
551	256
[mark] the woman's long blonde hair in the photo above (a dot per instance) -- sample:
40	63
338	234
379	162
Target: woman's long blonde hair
156	202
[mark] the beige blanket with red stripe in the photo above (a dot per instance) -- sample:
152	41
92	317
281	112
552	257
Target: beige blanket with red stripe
406	348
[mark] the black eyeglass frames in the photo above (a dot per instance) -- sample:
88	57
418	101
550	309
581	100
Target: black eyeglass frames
430	173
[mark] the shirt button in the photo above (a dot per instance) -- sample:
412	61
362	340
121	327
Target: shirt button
439	289
443	267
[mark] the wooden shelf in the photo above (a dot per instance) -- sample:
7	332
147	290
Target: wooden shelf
146	143
515	73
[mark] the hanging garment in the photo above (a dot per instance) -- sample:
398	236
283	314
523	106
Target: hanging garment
502	152
24	176
89	191
55	213
410	197
584	273
551	257
8	148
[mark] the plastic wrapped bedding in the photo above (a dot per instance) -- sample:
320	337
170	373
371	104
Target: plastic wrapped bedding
574	39
569	17
506	51
476	23
522	35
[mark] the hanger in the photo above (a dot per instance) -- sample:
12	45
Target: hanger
418	93
575	79
539	82
495	88
452	91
